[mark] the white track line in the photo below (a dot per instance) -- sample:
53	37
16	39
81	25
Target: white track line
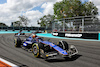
9	63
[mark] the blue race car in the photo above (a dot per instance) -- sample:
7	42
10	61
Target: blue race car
20	33
46	49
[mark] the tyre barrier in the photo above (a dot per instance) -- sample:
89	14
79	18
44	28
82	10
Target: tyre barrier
78	35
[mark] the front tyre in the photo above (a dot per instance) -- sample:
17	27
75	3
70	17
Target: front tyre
63	44
36	50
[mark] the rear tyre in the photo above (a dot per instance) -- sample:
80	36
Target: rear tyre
17	42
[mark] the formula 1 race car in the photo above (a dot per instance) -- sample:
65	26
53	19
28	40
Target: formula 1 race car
20	33
46	49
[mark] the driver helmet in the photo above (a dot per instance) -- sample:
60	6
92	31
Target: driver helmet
33	35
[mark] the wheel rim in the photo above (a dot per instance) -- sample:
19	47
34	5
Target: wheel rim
35	50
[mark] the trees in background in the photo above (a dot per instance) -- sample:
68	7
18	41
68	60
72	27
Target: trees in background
3	24
73	8
16	24
69	8
90	9
23	21
46	20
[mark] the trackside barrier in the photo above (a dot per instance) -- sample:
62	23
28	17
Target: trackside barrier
78	35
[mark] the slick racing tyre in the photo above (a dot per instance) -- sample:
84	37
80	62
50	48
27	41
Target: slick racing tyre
64	45
36	50
22	33
17	42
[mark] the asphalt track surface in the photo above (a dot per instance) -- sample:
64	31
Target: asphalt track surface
88	56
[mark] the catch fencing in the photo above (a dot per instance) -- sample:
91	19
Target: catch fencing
77	24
